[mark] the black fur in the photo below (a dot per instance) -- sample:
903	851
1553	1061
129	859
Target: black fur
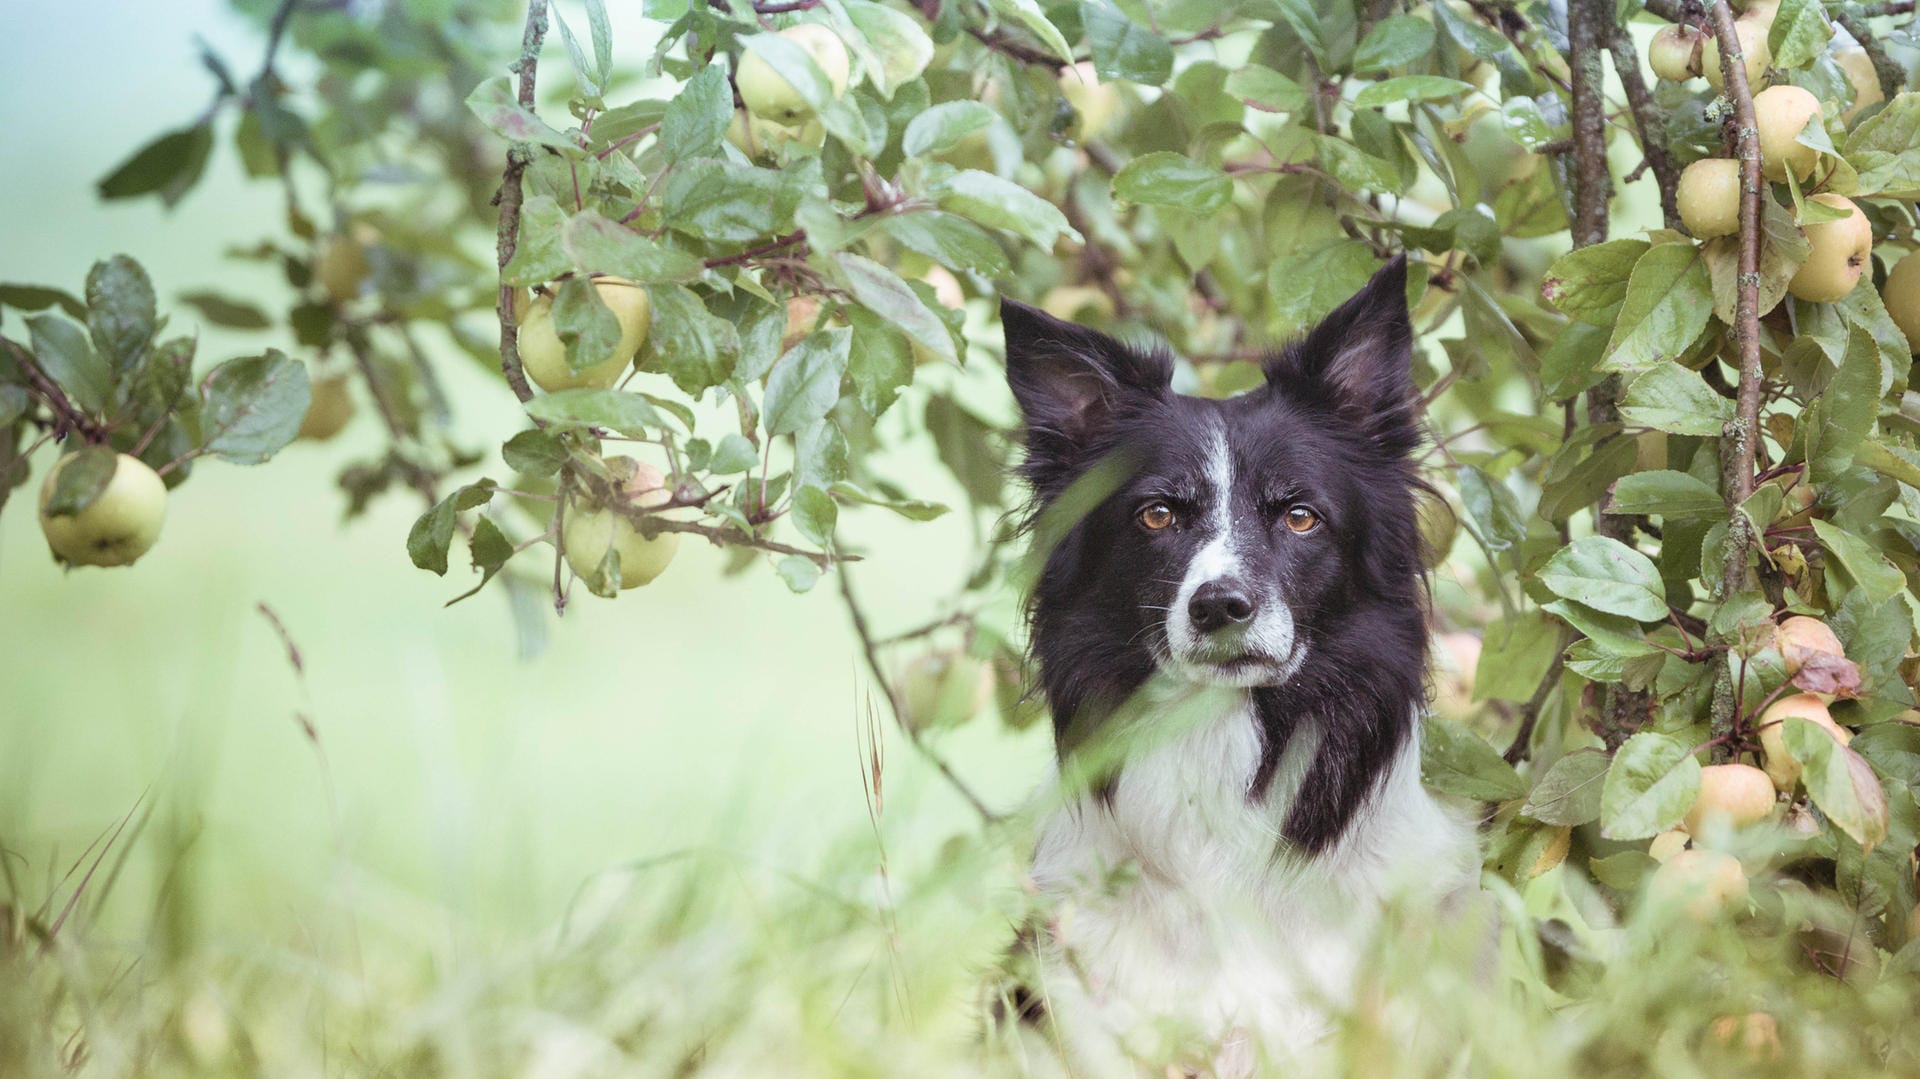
1331	430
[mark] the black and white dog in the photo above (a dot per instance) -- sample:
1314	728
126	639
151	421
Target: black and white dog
1230	631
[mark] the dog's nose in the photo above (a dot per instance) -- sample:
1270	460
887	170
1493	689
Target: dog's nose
1218	604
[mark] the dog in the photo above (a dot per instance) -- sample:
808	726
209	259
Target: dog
1229	627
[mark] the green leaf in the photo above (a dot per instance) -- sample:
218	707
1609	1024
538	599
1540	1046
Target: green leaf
64	354
1799	34
1266	89
1666	493
1669	300
586	325
716	200
948	239
1491	510
1883	148
250	408
493	101
698	115
616	410
168	166
897	42
1589	283
879	290
912	509
39	298
1123	49
815	513
1410	88
82	479
598	245
227	311
1848	406
120	311
534	452
1169	179
806	382
1456	761
1651	785
734	454
1005	205
945	126
1395	41
592	81
1839	781
1027	13
1878	579
695	347
1569	793
1612	635
489	549
799	571
538	255
1673	399
880	363
1608	576
1302	293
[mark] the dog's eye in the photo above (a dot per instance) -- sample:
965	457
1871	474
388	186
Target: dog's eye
1303	520
1155	516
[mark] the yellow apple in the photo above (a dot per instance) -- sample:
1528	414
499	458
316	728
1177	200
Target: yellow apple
1902	297
1667	844
769	96
544	355
1841	251
1674	53
1866	82
758	138
328	410
1699	882
1095	101
1738	794
1708	195
1752	34
1779	763
342	266
1781	113
591	531
118	527
1800	638
944	687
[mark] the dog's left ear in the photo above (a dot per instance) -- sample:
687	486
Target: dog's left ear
1361	355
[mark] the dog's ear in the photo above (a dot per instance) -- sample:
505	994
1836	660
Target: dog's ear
1070	380
1361	357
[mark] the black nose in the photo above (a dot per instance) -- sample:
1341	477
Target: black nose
1217	604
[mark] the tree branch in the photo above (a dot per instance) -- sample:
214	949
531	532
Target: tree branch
1652	125
511	195
872	653
1589	28
66	414
1893	77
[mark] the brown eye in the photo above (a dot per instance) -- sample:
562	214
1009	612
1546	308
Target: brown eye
1156	516
1302	519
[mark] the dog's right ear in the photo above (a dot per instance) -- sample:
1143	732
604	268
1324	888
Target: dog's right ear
1069	381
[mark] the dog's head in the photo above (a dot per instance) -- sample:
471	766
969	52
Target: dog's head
1224	539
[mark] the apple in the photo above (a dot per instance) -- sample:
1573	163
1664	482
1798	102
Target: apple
1699	882
1902	298
946	287
1708	195
120	526
1667	844
1780	765
1800	638
944	687
342	266
1439	525
803	317
1866	82
1841	252
1781	113
1751	30
770	96
329	409
544	355
758	138
1674	53
1738	794
1096	102
591	531
1756	1035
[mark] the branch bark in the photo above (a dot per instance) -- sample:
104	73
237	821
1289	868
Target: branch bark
511	196
1589	28
1893	77
1741	436
1652	125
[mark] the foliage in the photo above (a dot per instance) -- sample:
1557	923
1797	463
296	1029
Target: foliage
1656	452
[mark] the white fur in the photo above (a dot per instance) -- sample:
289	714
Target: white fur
1171	905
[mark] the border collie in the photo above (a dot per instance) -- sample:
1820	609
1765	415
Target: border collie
1230	630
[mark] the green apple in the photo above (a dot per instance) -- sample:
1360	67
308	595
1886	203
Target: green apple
1902	297
1739	794
1095	101
1866	82
769	96
759	138
1841	251
1699	883
591	531
1751	30
342	265
329	409
120	526
1674	53
1708	195
544	356
1780	764
1781	113
944	688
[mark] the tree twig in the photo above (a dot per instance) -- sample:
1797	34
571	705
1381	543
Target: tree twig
858	615
1652	125
518	157
65	411
1893	77
1587	35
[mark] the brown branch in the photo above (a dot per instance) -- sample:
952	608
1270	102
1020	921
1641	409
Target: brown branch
1675	10
872	654
511	195
1652	125
66	414
1874	11
797	236
650	524
1026	54
1589	27
1893	77
1521	748
1738	443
